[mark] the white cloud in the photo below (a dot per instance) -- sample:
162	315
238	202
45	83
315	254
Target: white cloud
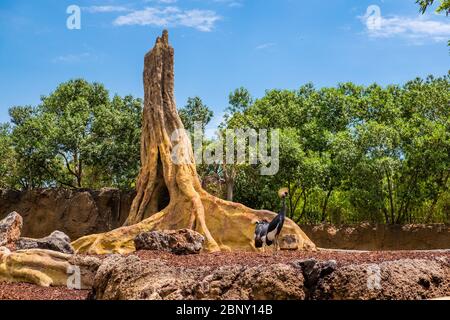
202	20
265	46
106	9
231	3
417	28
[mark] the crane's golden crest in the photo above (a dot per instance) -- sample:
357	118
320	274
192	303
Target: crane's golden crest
283	192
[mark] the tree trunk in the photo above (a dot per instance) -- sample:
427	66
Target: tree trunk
325	204
169	192
230	190
80	173
391	197
229	172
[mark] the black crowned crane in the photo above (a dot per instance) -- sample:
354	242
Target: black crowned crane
267	233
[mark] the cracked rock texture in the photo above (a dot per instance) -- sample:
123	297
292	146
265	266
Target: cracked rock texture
121	278
56	241
392	280
179	242
47	268
10	228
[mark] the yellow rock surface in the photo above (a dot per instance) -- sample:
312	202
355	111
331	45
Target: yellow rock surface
232	225
41	267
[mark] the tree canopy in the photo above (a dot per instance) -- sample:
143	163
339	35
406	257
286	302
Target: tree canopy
354	153
77	137
347	153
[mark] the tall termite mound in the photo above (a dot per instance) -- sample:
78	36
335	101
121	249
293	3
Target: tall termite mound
169	192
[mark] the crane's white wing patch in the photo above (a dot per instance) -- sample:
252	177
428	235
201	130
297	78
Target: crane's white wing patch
271	235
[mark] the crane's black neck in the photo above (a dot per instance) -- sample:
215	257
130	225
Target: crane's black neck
283	209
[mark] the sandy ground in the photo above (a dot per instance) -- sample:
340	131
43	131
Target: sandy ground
22	291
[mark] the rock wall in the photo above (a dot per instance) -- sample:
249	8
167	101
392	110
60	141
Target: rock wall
74	212
366	236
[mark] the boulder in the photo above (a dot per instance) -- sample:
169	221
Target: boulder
179	242
404	279
57	241
10	228
48	268
87	267
289	242
130	278
314	271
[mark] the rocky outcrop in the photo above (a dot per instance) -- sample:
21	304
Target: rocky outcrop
131	277
48	268
392	280
44	262
288	242
125	278
86	267
56	241
367	236
10	228
179	242
75	212
313	271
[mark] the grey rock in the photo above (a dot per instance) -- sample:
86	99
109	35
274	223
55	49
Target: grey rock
57	241
10	228
87	266
313	271
180	242
289	242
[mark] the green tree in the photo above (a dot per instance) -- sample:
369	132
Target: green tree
195	112
33	155
239	100
77	138
196	115
115	157
354	153
7	159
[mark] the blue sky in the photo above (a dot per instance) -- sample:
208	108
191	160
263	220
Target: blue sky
219	45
